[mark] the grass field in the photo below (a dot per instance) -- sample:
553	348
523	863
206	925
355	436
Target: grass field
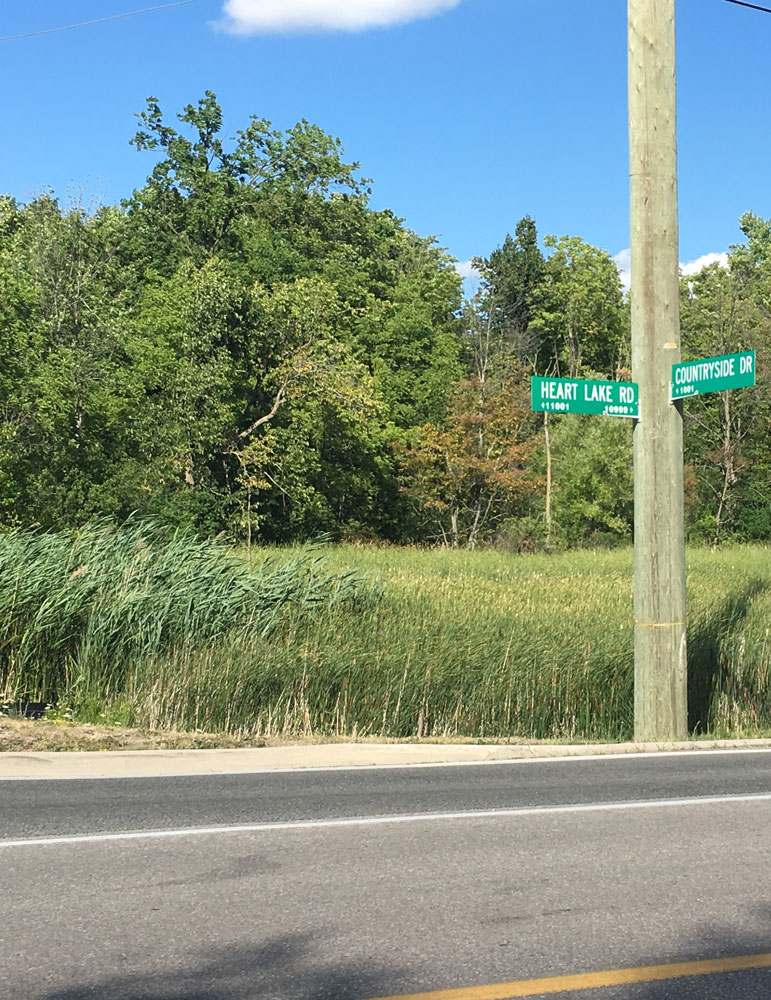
491	644
433	643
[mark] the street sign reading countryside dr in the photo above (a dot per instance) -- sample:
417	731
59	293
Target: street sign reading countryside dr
577	395
729	371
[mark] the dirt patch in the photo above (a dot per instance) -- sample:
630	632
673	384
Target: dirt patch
24	735
21	735
51	735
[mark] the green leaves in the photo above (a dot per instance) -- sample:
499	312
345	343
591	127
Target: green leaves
202	190
580	316
724	310
247	346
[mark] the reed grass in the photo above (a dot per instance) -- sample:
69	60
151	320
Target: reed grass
80	612
486	645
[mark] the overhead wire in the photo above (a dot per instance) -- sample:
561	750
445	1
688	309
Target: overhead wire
185	3
753	6
97	20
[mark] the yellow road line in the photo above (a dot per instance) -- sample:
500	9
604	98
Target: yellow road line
593	980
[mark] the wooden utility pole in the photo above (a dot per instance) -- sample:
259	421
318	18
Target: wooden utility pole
660	698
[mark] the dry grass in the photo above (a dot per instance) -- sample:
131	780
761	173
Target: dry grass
59	736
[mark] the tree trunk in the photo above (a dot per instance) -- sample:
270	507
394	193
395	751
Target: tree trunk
188	473
474	532
249	524
729	467
454	529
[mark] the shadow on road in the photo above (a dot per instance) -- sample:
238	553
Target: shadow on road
281	969
712	943
277	969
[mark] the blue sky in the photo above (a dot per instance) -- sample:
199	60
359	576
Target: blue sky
468	114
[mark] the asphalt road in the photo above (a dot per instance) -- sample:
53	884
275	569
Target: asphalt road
75	806
323	910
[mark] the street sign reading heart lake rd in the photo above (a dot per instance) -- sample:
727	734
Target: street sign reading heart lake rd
728	371
577	395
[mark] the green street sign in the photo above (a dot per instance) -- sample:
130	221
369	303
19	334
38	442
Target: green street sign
728	371
579	395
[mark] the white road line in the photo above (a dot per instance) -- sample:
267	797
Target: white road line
364	821
289	769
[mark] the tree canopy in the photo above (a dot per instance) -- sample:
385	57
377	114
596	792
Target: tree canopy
245	345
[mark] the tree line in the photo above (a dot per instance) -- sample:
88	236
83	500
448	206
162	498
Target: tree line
246	346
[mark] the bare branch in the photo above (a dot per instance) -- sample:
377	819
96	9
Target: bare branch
281	395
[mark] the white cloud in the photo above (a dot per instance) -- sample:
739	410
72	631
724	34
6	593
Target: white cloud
623	261
466	269
694	266
255	16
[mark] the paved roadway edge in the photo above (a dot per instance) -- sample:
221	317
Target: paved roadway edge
392	819
329	756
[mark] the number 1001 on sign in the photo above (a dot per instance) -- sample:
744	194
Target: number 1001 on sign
578	395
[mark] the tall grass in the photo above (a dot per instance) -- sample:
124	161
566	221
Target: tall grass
80	612
450	643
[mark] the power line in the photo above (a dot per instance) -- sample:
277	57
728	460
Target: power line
754	6
97	20
185	3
